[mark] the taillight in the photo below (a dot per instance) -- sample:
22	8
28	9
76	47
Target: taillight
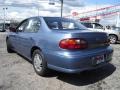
73	43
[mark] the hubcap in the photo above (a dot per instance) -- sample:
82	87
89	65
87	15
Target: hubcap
112	39
38	62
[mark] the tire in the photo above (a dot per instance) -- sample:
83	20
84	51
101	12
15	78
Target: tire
113	39
39	64
9	50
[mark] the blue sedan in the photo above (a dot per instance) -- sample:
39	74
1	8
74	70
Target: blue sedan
60	44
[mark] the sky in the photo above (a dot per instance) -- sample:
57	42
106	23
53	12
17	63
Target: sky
28	8
93	2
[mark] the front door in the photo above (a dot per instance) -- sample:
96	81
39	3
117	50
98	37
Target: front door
28	35
16	37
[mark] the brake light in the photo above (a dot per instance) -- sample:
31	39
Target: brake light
73	43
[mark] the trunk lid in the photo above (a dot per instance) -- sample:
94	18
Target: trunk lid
93	38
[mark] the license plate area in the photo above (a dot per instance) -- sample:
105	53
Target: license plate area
109	56
98	59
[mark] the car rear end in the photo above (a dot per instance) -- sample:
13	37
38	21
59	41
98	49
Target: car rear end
73	51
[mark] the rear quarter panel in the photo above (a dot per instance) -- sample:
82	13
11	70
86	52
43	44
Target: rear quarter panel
117	33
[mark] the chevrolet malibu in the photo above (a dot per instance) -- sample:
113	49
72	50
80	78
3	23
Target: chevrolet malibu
60	44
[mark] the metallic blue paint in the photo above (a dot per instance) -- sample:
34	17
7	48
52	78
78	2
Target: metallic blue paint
70	61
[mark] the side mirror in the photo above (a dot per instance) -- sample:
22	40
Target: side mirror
12	29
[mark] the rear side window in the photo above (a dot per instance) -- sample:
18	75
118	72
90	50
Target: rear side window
33	25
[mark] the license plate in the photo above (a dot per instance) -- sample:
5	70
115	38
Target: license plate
109	57
98	59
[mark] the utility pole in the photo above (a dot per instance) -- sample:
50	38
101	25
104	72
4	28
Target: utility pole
38	11
61	8
4	9
118	20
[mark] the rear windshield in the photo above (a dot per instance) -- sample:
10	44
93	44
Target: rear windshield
63	23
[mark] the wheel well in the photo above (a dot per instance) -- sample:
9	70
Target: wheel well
33	49
114	35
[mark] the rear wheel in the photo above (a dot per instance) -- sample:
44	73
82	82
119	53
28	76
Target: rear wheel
9	49
113	39
39	64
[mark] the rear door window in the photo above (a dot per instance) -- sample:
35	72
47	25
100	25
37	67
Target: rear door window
33	25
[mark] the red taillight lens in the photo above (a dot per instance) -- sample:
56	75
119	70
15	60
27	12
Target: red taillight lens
73	43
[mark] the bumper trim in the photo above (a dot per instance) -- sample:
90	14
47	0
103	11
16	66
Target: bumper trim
65	70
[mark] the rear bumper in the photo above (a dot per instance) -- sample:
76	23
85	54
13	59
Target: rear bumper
74	62
77	70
